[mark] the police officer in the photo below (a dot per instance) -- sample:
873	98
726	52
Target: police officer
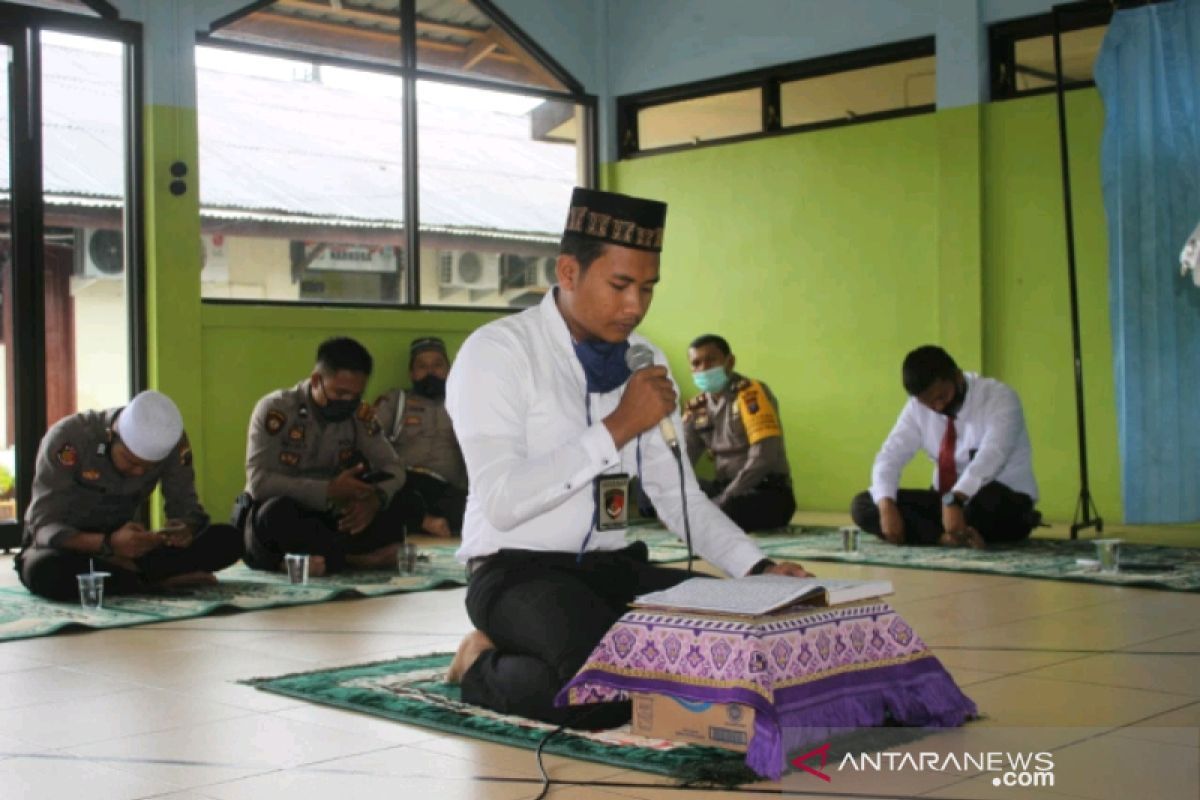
95	469
737	420
320	476
417	425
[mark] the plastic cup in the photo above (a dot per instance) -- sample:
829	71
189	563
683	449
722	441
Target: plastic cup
297	567
849	540
407	559
91	589
1108	553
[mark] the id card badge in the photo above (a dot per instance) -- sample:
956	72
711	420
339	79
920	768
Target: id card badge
612	500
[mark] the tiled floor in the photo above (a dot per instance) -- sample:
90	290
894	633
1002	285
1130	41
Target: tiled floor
1100	676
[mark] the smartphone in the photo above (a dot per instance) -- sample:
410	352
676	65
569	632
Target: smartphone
376	476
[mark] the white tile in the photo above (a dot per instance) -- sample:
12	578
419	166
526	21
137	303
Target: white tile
56	777
53	684
112	716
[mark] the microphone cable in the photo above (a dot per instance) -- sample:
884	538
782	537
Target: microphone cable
676	451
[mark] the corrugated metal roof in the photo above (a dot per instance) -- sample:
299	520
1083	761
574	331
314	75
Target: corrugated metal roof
276	148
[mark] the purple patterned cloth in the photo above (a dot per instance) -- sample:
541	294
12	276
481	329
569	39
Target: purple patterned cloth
808	674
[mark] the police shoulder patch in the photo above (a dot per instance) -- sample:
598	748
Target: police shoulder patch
275	421
67	456
366	415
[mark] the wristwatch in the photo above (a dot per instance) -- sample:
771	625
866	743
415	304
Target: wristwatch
761	567
106	548
952	499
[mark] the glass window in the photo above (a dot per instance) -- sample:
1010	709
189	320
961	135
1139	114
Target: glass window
702	119
496	173
84	260
302	180
859	92
1034	59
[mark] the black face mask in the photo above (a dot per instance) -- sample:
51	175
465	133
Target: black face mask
430	386
337	410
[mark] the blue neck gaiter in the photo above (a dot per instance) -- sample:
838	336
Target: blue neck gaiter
603	364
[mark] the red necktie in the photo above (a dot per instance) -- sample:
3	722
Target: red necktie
947	470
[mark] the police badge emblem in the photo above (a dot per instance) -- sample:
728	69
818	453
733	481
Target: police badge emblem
612	500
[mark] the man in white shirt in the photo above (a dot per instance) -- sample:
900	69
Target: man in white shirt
553	426
973	430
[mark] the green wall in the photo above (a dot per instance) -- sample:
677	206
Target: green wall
249	351
1027	336
824	257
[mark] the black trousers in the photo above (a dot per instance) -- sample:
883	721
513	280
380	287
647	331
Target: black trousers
769	505
546	612
424	494
996	511
282	525
51	573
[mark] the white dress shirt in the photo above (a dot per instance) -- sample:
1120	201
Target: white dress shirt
517	395
992	443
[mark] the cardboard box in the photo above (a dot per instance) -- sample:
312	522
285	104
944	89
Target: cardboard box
661	716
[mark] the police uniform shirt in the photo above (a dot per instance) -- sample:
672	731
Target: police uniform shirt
991	442
292	452
740	426
76	486
519	401
423	435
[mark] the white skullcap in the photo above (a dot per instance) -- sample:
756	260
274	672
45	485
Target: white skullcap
150	426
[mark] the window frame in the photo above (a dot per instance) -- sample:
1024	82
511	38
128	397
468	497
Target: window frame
27	221
410	74
769	80
1004	36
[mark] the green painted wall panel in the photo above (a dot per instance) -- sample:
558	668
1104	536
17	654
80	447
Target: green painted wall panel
824	257
1027	336
252	350
816	256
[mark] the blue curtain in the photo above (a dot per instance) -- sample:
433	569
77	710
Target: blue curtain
1148	72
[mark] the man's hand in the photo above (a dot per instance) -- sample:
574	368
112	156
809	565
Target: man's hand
177	533
954	522
436	526
133	541
649	396
359	514
347	487
890	521
789	568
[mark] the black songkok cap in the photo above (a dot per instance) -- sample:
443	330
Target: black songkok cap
616	219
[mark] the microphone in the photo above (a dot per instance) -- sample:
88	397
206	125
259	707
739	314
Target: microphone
639	356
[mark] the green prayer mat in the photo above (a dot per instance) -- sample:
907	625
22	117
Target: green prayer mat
23	615
412	690
1143	565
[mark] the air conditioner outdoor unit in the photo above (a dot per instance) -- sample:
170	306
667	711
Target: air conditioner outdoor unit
546	274
100	254
470	270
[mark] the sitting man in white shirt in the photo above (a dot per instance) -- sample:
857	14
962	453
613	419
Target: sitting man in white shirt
973	430
553	425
